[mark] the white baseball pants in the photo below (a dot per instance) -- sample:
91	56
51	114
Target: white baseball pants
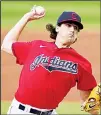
14	108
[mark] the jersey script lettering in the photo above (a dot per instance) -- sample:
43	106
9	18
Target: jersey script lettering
54	64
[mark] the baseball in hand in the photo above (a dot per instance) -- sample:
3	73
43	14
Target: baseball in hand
38	10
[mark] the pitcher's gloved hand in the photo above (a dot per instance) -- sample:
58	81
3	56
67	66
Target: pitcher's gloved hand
93	102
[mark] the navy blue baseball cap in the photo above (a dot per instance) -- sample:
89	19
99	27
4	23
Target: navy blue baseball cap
70	17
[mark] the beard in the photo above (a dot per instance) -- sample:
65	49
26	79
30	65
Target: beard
69	37
68	40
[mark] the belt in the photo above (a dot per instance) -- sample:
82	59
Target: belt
34	111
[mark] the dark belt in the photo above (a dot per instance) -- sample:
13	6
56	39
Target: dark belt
34	111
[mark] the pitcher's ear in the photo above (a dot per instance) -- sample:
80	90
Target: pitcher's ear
57	29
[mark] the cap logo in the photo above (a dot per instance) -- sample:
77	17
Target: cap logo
74	16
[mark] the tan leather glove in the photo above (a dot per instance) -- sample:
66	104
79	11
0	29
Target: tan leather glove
93	102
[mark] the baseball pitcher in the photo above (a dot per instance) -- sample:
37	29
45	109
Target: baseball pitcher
51	69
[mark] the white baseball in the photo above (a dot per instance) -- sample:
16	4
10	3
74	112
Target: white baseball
39	10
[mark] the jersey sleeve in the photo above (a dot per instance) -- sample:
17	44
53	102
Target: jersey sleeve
86	79
21	51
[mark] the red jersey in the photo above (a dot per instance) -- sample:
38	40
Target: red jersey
49	73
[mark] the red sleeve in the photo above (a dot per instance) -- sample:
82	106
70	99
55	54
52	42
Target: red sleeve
86	80
21	51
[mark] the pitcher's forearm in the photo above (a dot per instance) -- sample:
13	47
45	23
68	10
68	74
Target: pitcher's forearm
14	33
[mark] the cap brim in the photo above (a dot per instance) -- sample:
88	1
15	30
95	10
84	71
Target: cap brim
80	25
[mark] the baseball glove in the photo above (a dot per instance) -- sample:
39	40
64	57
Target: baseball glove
93	102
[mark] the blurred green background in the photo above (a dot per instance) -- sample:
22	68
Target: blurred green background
12	11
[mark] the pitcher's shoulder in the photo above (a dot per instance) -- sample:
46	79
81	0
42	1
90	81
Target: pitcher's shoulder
82	59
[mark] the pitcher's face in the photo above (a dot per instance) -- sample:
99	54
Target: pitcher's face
67	32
